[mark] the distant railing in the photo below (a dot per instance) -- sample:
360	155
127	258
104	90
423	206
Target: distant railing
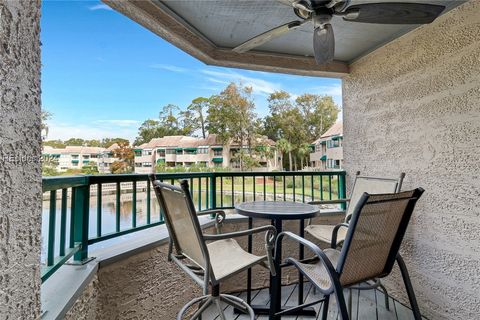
69	230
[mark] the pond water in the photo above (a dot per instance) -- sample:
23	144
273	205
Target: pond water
108	217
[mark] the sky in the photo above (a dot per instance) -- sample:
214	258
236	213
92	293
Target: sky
103	74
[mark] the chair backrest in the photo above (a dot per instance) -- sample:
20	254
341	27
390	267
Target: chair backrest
182	221
375	234
372	185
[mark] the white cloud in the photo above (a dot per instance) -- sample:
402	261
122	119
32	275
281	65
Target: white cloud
259	86
169	67
330	90
100	6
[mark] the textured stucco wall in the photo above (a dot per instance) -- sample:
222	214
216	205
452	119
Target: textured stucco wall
414	106
147	286
20	187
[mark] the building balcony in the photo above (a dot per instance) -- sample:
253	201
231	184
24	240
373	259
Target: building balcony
109	221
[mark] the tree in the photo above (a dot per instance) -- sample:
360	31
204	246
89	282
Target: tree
197	110
171	122
75	142
108	142
126	157
45	115
54	143
90	168
147	131
49	166
231	116
319	112
283	147
303	151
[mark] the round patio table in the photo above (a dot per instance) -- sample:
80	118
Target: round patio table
277	211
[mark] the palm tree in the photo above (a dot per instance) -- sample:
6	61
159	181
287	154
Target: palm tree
284	146
303	151
44	126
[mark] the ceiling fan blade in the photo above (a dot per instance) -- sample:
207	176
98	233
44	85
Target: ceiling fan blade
267	36
324	44
393	13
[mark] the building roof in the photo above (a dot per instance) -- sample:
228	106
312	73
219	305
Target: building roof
113	147
73	150
191	142
335	130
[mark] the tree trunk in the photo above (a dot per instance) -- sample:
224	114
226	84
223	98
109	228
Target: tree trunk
301	161
290	163
202	123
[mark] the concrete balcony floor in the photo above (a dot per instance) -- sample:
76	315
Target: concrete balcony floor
366	305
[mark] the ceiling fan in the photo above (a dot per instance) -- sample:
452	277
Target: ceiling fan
320	12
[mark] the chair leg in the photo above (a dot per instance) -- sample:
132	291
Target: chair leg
220	310
208	301
342	307
409	288
350	307
387	302
325	307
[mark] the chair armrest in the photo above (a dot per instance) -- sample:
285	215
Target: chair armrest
335	201
211	211
311	246
242	233
270	235
219	218
318	253
335	232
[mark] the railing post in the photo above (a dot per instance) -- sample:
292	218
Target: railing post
80	223
213	191
343	190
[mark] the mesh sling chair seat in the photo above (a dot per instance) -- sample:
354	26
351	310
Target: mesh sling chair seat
370	249
207	263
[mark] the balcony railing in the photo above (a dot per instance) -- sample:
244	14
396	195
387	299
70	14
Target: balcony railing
75	208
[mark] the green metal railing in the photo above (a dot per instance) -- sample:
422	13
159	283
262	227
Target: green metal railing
69	231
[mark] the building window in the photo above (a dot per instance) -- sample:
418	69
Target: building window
171	151
161	152
147	152
202	150
74	156
217	152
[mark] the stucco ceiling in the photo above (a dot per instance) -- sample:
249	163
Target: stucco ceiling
228	23
209	29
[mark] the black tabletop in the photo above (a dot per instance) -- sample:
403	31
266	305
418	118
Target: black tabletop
283	210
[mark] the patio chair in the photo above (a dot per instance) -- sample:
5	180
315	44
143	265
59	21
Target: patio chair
323	233
371	185
370	249
208	264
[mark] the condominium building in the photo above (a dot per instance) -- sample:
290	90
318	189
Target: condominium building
184	151
76	157
328	150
